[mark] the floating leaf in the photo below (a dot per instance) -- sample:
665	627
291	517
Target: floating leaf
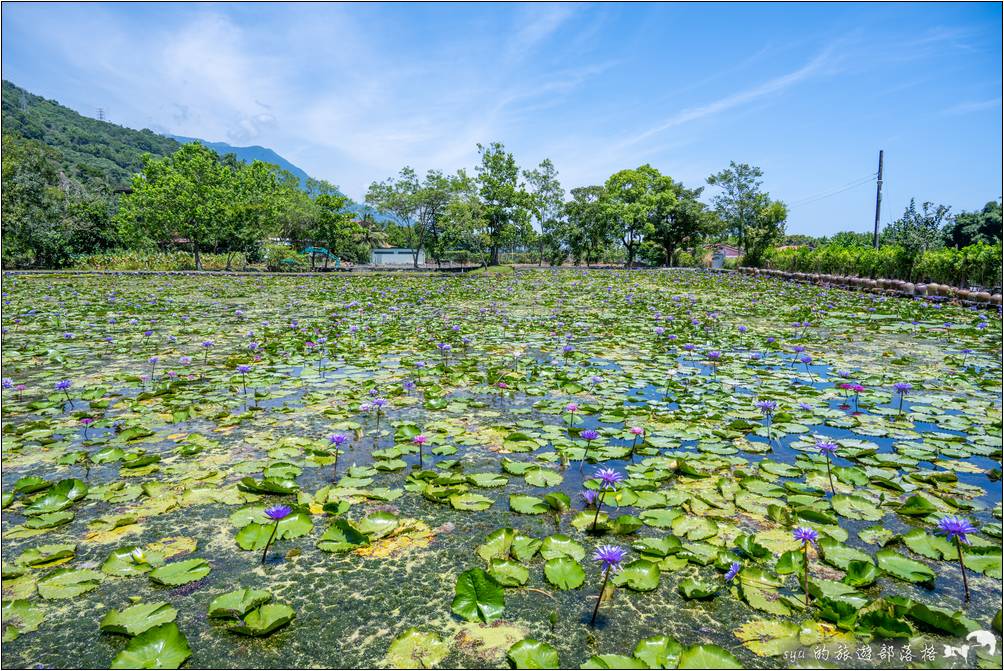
416	649
640	575
659	652
478	596
180	572
264	619
708	657
66	583
238	603
138	618
162	647
903	568
564	572
532	654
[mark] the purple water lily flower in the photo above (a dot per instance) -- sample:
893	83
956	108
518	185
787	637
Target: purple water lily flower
902	388
957	529
610	557
589	496
275	513
278	512
733	571
609	478
828	449
805	535
590	434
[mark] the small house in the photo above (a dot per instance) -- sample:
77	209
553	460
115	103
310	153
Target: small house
395	256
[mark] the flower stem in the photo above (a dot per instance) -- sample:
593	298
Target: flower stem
599	504
830	475
962	565
805	571
269	542
599	598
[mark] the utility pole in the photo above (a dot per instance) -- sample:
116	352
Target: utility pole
878	200
101	114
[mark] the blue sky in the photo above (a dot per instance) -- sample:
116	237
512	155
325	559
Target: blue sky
351	93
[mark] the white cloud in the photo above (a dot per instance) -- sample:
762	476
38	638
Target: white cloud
823	62
974	106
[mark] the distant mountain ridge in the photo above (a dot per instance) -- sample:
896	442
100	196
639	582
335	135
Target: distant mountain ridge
249	154
104	156
99	154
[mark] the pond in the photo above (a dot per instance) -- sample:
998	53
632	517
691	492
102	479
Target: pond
396	471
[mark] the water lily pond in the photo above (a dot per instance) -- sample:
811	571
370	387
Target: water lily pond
411	472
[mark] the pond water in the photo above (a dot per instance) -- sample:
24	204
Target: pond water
162	442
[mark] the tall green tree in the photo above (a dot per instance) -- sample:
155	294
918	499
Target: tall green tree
335	226
33	205
182	195
630	197
756	221
918	230
968	228
679	219
548	206
505	203
588	229
417	204
253	202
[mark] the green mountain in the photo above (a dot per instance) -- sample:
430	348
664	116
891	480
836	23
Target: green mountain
249	154
98	154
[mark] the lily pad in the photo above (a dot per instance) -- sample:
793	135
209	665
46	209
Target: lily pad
161	647
138	618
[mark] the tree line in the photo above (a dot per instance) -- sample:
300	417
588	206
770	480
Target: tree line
637	214
197	200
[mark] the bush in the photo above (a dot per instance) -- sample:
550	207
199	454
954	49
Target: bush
133	259
283	259
978	264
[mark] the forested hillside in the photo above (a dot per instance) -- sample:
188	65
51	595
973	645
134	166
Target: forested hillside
96	153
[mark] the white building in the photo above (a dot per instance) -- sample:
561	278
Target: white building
395	256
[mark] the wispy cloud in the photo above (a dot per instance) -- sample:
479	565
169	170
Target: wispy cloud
974	106
822	63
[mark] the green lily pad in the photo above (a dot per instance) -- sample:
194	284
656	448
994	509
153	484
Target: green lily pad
564	572
415	649
532	654
659	652
264	619
639	575
238	603
161	647
696	589
560	545
138	618
131	560
528	505
180	572
478	596
67	583
20	616
904	568
509	573
341	536
613	662
708	657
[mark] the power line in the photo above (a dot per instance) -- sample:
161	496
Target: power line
861	181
